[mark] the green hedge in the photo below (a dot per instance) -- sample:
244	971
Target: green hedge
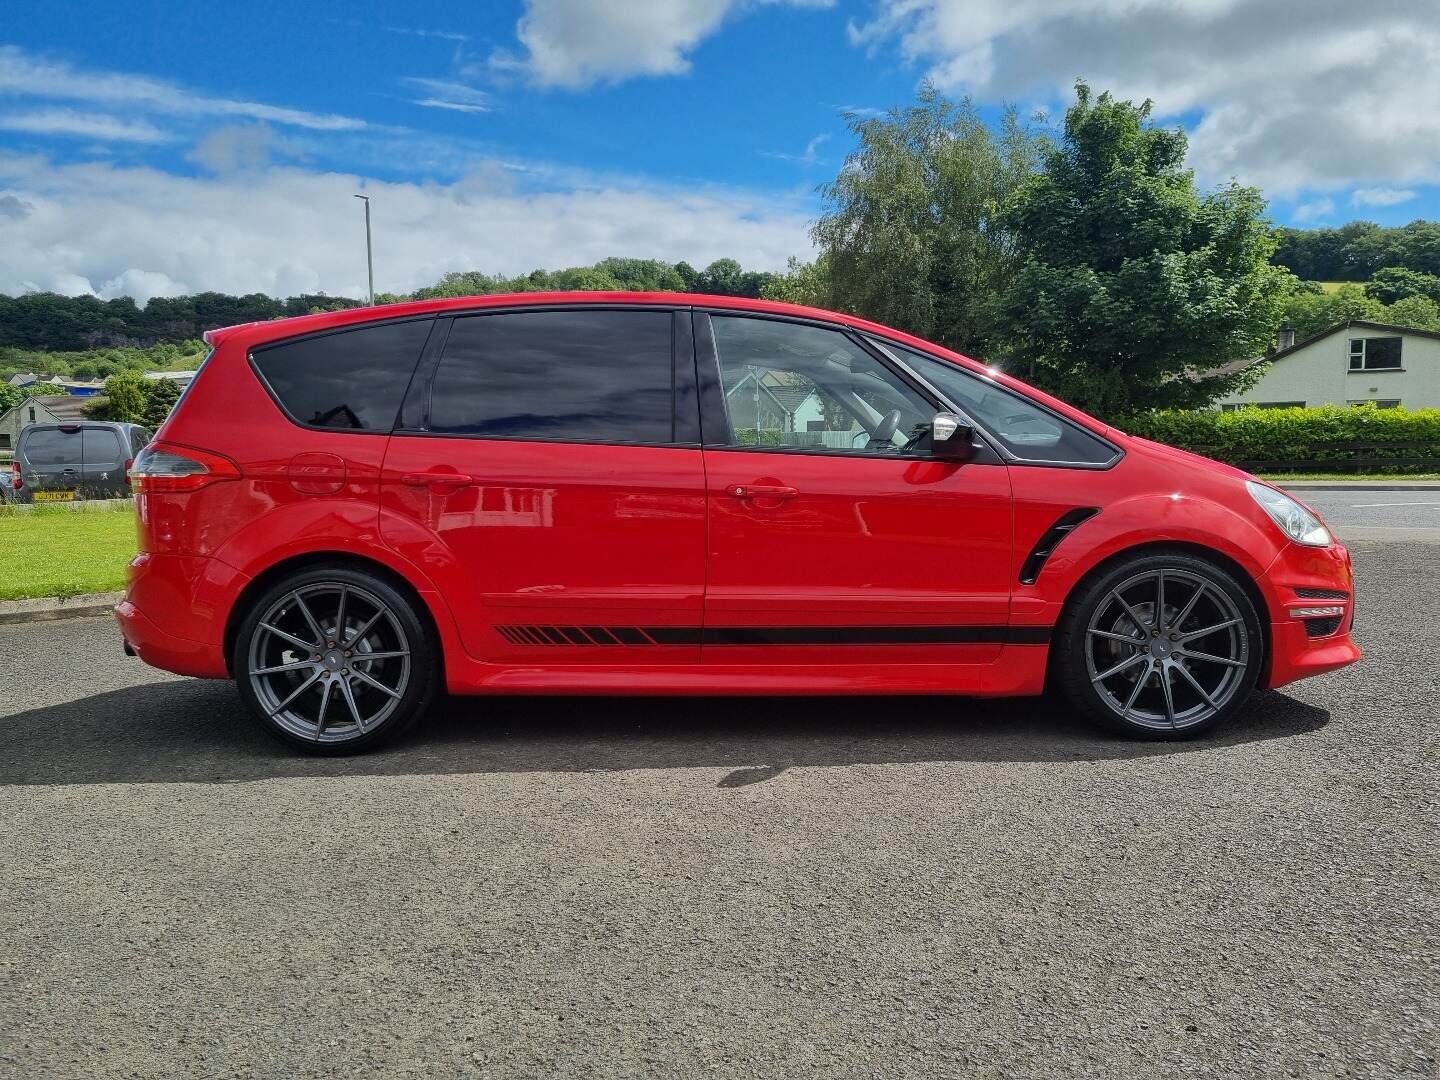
1300	435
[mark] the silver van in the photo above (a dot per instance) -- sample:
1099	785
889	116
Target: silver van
87	459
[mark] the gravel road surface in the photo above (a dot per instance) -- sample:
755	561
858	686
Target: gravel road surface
771	888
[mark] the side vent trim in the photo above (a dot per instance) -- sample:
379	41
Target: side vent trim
1050	540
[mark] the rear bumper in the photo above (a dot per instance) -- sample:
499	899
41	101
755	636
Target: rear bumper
1291	584
174	611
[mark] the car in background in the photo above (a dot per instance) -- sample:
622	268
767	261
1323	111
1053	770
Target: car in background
64	462
607	493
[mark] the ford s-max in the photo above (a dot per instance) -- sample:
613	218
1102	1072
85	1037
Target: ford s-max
620	493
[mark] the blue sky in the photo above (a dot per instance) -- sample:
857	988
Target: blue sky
148	148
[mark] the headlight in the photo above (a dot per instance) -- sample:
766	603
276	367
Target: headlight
1294	520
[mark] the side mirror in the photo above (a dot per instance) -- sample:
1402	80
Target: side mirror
951	439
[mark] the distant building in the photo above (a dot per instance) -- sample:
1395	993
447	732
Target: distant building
45	409
182	378
1350	363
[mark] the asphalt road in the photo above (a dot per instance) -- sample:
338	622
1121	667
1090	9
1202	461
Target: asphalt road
1374	508
717	888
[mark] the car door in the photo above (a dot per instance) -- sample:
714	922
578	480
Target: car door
547	473
834	538
50	460
103	457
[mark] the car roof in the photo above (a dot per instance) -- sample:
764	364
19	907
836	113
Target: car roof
253	334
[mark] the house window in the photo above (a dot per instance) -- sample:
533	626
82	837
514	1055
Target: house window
32	414
1379	403
1375	354
4	440
1280	404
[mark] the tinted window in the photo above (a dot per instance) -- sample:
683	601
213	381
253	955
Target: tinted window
804	387
580	376
138	438
51	446
353	379
1026	430
102	447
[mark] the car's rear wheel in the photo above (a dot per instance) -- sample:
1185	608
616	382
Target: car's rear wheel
335	660
1161	646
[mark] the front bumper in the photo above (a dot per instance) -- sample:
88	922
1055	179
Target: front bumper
1305	578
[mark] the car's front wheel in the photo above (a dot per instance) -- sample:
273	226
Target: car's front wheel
1159	646
335	660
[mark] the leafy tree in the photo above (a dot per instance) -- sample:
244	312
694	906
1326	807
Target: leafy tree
911	235
802	283
1313	310
1358	249
1133	287
1421	312
124	399
1393	283
160	397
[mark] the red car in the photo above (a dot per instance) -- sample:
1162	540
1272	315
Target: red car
625	493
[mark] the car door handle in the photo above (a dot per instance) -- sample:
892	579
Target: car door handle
763	491
437	479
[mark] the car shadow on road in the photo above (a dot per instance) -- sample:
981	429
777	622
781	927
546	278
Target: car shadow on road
192	731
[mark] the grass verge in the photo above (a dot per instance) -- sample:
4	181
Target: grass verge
1349	477
59	551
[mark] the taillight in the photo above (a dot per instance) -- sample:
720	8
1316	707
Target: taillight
164	468
15	482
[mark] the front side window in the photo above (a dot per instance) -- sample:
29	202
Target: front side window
1027	430
354	379
569	376
798	387
1374	354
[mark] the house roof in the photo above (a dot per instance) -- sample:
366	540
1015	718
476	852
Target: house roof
1348	324
54	407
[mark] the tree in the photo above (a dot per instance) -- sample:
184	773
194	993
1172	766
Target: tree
124	398
160	397
802	283
1134	289
910	237
1310	311
1421	312
1392	283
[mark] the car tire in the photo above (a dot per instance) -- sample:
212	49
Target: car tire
369	666
1110	655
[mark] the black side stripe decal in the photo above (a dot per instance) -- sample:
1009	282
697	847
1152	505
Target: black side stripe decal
775	635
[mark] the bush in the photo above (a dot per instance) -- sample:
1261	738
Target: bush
1299	435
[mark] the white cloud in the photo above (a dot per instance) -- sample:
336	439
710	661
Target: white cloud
576	43
141	286
239	147
23	75
1314	210
444	94
83	125
1323	95
810	154
1381	196
284	229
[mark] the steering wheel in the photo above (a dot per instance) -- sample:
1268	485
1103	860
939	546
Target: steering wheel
885	430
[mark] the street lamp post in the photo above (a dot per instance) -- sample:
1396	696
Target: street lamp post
369	257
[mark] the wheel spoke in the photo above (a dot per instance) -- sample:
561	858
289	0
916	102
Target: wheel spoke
350	700
308	646
1121	666
1209	659
392	654
1135	690
1160	599
376	683
1193	634
296	693
309	619
365	629
1140	624
324	707
1126	638
1196	684
1169	697
340	615
1189	606
298	665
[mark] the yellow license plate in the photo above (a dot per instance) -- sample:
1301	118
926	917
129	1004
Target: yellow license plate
54	496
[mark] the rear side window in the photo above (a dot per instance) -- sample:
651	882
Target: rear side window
354	379
1027	430
51	446
138	438
102	447
570	376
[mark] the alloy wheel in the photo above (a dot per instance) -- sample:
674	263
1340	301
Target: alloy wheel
329	662
1167	649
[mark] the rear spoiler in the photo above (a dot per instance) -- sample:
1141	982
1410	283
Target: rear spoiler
213	338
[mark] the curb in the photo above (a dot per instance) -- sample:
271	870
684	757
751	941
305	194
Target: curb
49	608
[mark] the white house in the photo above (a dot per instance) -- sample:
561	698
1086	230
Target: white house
1349	364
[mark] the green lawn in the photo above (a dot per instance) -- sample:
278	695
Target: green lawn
53	551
